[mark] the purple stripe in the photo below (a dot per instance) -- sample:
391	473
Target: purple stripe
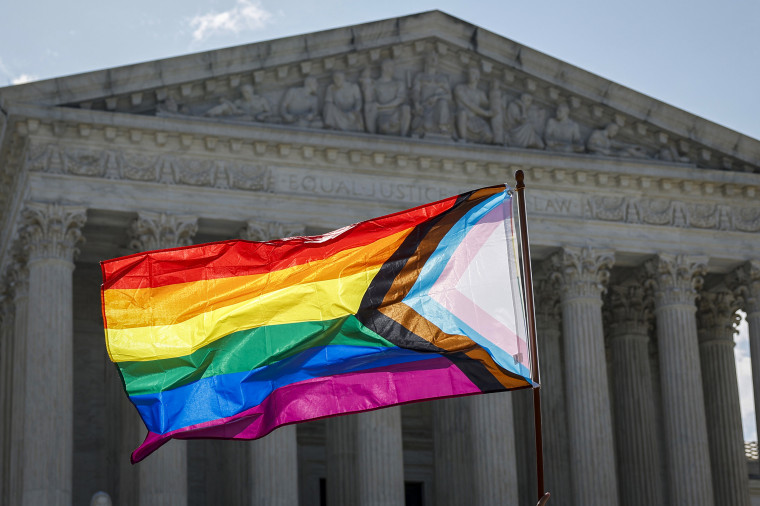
327	396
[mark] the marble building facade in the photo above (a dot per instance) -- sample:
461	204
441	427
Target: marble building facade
644	225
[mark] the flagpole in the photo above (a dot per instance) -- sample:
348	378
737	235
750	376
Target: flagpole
543	496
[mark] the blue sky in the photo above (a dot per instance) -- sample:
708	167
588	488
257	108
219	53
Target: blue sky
701	56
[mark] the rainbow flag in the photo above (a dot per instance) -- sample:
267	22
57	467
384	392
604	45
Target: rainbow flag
233	339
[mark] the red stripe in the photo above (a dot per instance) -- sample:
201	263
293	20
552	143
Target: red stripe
241	258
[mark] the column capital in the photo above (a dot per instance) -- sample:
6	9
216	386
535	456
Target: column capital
262	230
629	307
545	289
153	230
51	230
582	272
716	316
744	281
676	278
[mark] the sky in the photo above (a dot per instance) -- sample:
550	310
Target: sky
701	56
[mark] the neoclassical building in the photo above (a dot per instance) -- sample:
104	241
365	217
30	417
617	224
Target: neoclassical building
644	223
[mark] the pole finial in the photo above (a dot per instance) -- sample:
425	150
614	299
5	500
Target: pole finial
520	177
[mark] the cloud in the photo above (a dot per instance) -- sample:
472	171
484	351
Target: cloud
245	15
24	78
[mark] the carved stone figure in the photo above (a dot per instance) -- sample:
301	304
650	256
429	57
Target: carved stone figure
521	122
170	106
385	107
602	142
671	154
562	133
299	106
497	111
431	97
473	112
343	105
250	107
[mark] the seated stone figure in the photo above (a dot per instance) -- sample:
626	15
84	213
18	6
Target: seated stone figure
251	107
431	99
522	129
602	142
562	133
343	105
473	110
385	107
299	106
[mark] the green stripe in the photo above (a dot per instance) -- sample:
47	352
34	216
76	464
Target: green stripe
244	351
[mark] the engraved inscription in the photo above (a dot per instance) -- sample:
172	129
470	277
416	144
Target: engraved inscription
364	188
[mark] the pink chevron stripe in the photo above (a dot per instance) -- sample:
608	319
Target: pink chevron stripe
446	290
328	396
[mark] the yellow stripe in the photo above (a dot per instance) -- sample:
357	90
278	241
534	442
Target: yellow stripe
318	301
172	304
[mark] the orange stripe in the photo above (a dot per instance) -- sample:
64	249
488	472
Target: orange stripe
171	304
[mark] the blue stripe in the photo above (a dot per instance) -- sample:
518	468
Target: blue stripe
420	300
228	394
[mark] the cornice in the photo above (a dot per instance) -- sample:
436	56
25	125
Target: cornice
290	59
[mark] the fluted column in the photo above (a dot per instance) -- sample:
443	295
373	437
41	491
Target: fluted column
365	463
746	285
553	408
274	466
341	456
717	313
583	273
452	452
20	286
474	451
639	469
6	389
162	477
274	458
52	232
380	457
676	279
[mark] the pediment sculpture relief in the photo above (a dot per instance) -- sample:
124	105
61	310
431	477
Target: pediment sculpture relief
426	102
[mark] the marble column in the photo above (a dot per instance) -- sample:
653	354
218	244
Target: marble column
474	451
746	285
630	316
274	458
553	408
51	232
20	287
583	273
717	314
675	280
365	462
162	477
6	388
274	463
341	460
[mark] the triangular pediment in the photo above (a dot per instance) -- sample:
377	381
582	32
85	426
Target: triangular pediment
335	80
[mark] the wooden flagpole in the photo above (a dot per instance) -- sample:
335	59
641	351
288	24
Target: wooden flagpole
543	496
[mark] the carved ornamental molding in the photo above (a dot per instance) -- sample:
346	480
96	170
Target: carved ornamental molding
676	279
745	284
133	166
262	231
717	316
152	231
52	230
629	308
582	272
